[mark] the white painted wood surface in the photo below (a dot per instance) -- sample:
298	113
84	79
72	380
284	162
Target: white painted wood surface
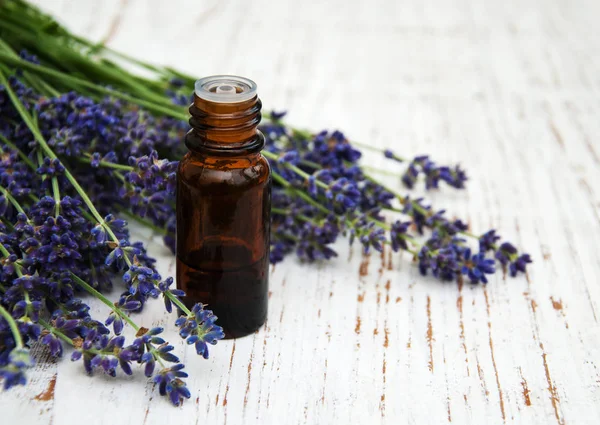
511	89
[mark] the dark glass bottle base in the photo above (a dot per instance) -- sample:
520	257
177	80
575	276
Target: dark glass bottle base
237	296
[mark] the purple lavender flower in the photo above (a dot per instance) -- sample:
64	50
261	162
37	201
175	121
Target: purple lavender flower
373	197
277	115
444	265
417	211
506	253
520	264
487	241
422	165
110	157
391	155
170	384
13	373
24	54
372	237
200	329
66	327
315	240
398	234
343	194
15	177
410	176
168	292
279	249
476	266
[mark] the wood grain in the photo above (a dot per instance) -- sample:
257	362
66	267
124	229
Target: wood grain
510	90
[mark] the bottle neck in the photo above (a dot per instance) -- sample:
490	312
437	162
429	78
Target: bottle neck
225	128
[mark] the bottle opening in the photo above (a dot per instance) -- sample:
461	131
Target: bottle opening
225	89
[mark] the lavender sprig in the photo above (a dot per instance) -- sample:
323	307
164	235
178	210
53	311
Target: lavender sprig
54	242
53	232
199	328
446	262
12	371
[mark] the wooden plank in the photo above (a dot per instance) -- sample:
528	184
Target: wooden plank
508	89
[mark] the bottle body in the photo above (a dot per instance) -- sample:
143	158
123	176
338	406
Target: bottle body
223	220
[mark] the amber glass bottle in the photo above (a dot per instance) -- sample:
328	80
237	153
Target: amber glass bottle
223	206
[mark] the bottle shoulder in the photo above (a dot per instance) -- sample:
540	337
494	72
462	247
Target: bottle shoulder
199	170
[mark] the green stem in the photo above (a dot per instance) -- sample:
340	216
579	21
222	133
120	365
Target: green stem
6	254
7	224
54	180
374	149
287	185
381	224
412	251
120	177
74	61
308	199
165	72
27	302
25	115
277	177
178	303
6	47
19	152
415	205
44	145
397	210
124	56
94	48
56	192
287	236
68	340
280	211
56	332
92	291
400	198
270	155
65	338
14	328
311	164
108	164
146	223
51	90
295	169
302	217
33	128
33	167
305	175
34	82
105	300
380	171
12	200
175	111
307	135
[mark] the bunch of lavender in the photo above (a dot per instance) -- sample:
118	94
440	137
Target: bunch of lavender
323	191
119	136
58	239
321	188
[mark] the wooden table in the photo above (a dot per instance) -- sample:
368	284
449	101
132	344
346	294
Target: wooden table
508	88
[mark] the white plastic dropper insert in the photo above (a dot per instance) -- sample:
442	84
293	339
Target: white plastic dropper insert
225	89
